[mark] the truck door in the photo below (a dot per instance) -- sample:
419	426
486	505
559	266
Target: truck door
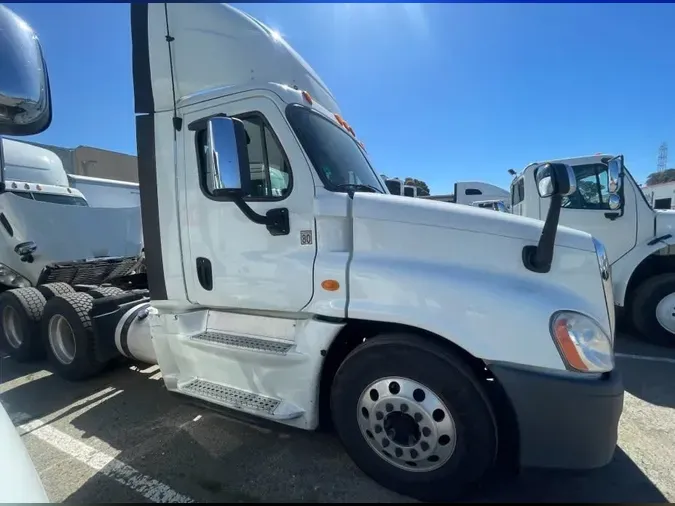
230	261
587	210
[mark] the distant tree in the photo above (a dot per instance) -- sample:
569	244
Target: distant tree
422	188
665	176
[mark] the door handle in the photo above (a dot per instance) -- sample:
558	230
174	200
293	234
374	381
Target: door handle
204	273
612	216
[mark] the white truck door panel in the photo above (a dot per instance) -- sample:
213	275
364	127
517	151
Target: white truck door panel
251	269
587	210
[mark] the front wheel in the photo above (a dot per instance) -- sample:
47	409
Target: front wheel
413	417
653	310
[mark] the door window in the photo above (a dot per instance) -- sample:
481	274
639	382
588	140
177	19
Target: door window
592	188
271	177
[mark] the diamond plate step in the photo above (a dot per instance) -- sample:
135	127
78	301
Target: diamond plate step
243	342
230	397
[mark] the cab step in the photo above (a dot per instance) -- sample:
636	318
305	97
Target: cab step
257	344
239	400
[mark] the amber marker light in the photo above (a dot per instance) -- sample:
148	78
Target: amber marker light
330	285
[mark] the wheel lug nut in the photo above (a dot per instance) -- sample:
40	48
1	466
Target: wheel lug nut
418	417
424	445
378	429
413	453
385	442
389	408
426	431
404	408
379	415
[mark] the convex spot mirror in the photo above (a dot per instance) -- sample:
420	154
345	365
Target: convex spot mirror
224	143
615	169
614	201
25	97
555	179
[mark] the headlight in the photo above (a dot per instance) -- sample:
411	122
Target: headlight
583	345
11	278
603	259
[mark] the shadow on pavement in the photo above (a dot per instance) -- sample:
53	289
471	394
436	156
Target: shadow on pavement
645	378
11	370
210	457
620	481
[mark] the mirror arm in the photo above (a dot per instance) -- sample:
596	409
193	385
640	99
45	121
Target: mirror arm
540	257
276	220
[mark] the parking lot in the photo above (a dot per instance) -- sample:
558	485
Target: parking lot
122	437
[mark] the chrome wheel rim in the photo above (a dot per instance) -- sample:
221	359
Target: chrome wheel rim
62	339
406	424
12	327
665	313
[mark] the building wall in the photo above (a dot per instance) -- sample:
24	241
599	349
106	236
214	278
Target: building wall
96	162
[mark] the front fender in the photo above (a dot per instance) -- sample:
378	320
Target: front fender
495	314
624	267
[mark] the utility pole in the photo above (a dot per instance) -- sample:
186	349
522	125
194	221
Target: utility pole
662	162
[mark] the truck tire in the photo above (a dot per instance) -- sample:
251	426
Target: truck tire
50	290
20	313
104	291
68	336
653	310
413	417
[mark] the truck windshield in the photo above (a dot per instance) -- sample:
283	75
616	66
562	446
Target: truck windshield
336	156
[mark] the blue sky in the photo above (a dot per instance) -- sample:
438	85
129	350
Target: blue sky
440	92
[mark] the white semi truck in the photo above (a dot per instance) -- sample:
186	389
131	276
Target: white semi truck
640	240
303	305
47	228
396	186
102	192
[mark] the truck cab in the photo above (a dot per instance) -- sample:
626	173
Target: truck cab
298	302
610	205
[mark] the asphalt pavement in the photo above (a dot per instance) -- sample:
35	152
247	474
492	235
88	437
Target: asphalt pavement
121	437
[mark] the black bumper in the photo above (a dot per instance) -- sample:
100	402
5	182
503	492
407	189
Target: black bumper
563	422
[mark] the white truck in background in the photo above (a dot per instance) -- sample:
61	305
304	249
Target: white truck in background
639	240
468	192
36	173
47	227
494	205
300	304
396	186
101	192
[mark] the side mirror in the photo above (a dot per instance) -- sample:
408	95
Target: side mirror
25	96
615	169
614	201
227	167
555	179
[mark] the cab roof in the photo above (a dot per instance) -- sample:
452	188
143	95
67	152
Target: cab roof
180	50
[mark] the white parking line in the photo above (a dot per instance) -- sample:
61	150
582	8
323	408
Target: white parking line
122	473
645	357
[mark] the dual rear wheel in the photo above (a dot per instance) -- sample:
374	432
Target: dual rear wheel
52	320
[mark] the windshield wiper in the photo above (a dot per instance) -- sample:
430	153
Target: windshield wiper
352	187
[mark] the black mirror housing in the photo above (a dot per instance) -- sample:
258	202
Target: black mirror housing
555	179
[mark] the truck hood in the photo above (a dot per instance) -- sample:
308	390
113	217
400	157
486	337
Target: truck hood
19	481
665	222
65	233
431	213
